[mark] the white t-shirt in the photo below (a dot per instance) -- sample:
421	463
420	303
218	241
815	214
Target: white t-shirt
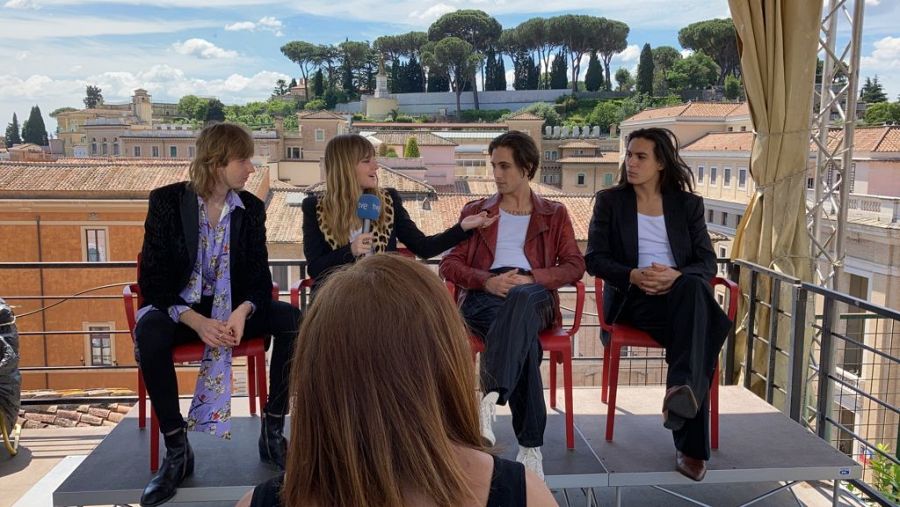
653	242
510	251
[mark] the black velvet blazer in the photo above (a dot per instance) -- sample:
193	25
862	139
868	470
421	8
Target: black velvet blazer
612	250
171	236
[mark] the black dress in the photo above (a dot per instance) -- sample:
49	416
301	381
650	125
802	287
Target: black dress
507	487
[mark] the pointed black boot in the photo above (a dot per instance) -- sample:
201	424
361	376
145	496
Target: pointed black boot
178	464
272	444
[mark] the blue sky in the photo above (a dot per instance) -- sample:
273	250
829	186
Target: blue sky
230	48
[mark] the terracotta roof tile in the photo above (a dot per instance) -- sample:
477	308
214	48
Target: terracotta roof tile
525	116
694	110
891	140
95	179
422	138
284	216
579	144
320	115
722	141
609	157
480	187
388	178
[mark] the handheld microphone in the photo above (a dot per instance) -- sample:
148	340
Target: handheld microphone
368	208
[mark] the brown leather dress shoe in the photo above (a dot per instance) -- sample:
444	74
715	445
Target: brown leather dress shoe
689	467
679	404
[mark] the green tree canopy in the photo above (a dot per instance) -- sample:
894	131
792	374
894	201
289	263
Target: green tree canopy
215	111
881	113
304	54
12	132
56	112
605	113
543	109
579	34
593	78
536	35
624	80
411	150
477	28
456	58
612	39
33	129
93	96
872	92
645	71
733	88
716	38
558	73
694	72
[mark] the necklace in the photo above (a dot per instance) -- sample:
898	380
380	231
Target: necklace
518	212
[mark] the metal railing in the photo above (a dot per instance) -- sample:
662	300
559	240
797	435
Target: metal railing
828	360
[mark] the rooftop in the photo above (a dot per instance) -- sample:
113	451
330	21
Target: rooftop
422	138
718	110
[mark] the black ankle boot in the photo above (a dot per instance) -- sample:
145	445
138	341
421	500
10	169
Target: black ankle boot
272	444
178	464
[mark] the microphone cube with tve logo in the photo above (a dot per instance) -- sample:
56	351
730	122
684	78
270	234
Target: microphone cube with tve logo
368	207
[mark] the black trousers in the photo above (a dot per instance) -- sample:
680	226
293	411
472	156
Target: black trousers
156	334
691	326
511	362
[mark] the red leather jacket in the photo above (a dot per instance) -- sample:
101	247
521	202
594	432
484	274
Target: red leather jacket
549	247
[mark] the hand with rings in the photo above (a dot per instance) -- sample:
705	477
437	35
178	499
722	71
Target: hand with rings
362	244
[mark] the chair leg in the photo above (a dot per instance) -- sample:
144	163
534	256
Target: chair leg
714	410
154	441
553	356
142	401
251	382
614	353
570	409
261	387
604	379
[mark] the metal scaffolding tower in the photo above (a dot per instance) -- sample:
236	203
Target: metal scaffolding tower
833	124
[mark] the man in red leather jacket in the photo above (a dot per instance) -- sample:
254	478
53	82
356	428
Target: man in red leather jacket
508	274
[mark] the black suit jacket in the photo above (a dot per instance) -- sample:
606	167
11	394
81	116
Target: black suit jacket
612	250
171	237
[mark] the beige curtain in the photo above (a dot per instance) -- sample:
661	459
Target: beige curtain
777	42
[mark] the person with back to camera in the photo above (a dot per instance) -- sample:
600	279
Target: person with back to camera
333	233
384	410
648	241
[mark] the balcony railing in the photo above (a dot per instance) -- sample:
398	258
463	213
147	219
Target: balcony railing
831	362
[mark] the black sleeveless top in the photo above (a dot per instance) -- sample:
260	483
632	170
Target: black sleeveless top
507	487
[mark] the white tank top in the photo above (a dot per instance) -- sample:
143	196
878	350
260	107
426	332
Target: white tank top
510	251
653	241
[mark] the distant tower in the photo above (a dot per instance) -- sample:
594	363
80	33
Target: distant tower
141	106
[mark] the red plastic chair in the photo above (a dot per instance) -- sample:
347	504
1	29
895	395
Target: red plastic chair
623	335
558	342
253	348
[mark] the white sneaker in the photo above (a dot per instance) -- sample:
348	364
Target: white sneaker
533	460
487	415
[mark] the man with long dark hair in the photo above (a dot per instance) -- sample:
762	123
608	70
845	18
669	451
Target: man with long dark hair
648	241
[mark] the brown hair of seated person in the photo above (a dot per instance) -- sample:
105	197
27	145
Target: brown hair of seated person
382	391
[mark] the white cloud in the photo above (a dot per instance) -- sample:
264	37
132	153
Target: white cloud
631	53
32	26
242	25
20	4
686	52
267	23
873	2
202	48
885	56
431	13
21	56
